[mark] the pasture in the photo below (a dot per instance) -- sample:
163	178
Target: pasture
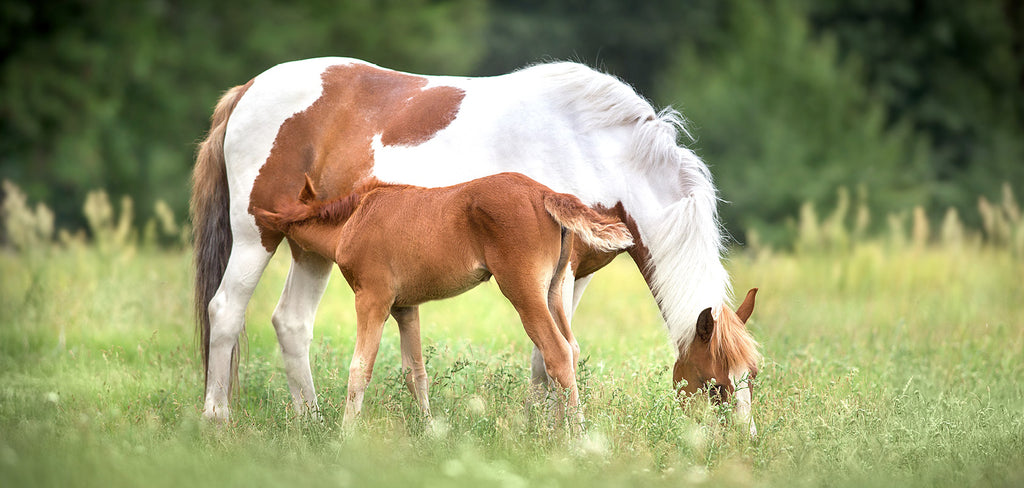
886	363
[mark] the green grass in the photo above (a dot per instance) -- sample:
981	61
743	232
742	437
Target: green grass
884	366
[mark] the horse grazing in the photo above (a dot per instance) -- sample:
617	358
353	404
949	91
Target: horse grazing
573	129
399	246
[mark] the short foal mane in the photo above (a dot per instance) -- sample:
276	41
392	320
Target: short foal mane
338	210
308	209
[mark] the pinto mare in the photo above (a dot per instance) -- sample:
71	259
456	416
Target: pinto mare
399	246
571	128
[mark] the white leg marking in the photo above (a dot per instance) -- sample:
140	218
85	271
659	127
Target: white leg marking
293	322
227	318
743	399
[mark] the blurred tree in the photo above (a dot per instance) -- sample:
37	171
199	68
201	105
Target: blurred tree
781	121
111	94
953	70
918	101
632	40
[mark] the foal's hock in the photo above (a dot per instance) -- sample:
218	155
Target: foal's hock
399	246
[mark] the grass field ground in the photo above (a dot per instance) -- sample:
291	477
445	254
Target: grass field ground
884	365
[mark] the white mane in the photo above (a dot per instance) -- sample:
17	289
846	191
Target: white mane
684	238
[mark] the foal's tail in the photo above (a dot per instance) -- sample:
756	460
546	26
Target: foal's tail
600	232
210	220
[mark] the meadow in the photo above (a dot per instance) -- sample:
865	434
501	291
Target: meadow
889	361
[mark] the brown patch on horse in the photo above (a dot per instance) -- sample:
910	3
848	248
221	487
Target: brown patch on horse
424	115
331	140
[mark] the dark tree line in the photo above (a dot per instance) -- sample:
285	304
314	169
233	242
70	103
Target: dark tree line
915	101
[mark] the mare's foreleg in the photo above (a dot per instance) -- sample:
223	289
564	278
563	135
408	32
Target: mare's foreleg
293	322
412	355
371	312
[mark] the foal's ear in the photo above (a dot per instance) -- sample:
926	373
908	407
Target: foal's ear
705	325
308	194
747	307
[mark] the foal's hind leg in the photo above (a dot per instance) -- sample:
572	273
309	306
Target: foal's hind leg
531	303
412	355
227	319
293	322
572	292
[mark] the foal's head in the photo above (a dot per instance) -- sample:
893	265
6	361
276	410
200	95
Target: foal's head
722	358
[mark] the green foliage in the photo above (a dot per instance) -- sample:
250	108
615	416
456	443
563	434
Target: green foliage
918	102
628	40
114	95
952	72
781	122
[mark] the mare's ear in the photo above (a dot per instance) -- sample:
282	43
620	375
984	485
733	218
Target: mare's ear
705	325
747	307
308	194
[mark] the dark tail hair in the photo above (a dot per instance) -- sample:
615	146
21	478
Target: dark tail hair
596	230
211	226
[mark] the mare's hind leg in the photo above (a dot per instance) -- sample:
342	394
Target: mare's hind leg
293	322
227	319
412	355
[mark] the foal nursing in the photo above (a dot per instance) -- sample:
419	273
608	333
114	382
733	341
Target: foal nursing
399	246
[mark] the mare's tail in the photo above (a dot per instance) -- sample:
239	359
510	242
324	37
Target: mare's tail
211	223
600	232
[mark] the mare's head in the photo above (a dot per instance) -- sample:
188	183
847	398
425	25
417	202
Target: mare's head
722	358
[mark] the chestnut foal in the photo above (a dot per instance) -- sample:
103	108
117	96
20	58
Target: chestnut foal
399	246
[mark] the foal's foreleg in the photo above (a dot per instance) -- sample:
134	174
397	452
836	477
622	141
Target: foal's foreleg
371	312
412	355
293	322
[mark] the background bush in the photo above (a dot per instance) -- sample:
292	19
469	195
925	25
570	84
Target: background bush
903	102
